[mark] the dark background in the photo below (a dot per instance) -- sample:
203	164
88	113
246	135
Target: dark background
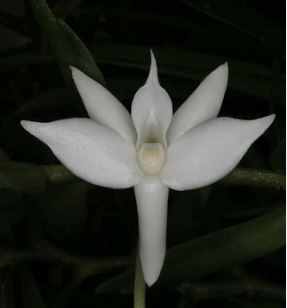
189	39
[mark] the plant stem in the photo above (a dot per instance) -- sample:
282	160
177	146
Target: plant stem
58	174
255	178
139	285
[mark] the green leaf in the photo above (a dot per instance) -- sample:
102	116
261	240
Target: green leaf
229	247
66	46
217	251
254	178
22	177
278	157
31	295
61	210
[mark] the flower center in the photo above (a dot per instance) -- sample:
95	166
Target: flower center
151	157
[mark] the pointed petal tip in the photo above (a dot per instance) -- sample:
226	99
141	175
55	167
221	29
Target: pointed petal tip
30	126
153	74
78	75
152	57
222	69
271	117
75	71
221	72
265	122
152	266
37	129
237	135
150	283
151	278
24	123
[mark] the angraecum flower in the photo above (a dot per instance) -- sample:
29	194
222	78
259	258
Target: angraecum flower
152	149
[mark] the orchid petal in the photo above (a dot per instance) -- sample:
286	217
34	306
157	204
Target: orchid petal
90	150
203	104
151	109
209	151
152	199
102	106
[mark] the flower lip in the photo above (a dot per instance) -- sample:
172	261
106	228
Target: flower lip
151	157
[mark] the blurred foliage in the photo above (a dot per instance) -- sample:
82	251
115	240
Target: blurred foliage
60	238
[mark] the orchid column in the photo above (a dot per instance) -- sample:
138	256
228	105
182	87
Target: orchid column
152	150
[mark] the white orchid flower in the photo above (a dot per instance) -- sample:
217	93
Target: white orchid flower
151	150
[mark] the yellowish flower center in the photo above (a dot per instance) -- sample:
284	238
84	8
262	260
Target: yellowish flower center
151	157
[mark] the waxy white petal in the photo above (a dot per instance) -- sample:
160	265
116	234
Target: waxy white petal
151	109
209	151
203	104
152	199
102	106
92	151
